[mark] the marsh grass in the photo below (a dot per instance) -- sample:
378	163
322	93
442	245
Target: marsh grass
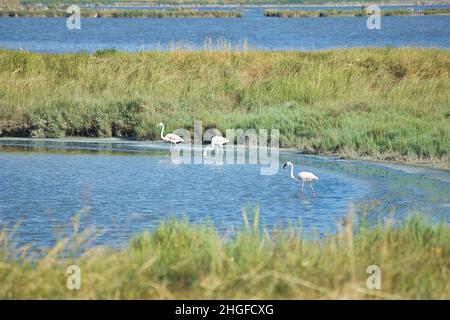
351	13
56	12
379	103
180	260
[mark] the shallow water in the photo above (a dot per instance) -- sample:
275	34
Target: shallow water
130	186
52	35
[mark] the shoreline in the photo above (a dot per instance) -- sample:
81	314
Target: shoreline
61	12
217	11
352	13
275	5
262	5
435	164
182	11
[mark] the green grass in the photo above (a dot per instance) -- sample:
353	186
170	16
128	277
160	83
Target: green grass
89	13
350	13
379	103
184	261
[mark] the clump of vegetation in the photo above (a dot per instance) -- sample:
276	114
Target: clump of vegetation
379	103
55	12
183	261
9	4
437	11
309	13
351	13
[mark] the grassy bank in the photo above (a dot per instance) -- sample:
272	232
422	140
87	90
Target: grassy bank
89	13
182	261
379	103
351	13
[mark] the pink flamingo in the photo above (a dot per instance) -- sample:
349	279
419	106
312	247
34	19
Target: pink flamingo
170	137
303	176
216	141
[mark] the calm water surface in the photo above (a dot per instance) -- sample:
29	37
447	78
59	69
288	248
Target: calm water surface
52	35
129	187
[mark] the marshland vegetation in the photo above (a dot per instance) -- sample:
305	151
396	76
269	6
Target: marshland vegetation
180	260
54	12
352	13
61	11
378	103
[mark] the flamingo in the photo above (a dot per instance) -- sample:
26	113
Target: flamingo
218	141
303	176
170	137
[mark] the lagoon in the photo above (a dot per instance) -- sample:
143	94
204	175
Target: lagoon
125	187
52	35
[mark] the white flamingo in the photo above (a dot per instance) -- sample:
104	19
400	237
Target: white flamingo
216	141
170	137
304	176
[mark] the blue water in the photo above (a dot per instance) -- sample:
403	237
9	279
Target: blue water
52	35
128	187
124	188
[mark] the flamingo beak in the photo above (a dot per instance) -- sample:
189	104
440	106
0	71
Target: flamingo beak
284	166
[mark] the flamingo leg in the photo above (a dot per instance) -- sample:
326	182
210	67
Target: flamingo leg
178	150
303	184
221	148
312	189
217	149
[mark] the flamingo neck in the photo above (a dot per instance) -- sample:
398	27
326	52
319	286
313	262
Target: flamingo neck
292	171
162	132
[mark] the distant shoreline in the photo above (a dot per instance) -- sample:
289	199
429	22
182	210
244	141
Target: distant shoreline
269	5
61	12
242	5
184	12
353	13
49	5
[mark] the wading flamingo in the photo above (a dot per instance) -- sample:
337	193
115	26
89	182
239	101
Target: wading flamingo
303	176
216	141
170	137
